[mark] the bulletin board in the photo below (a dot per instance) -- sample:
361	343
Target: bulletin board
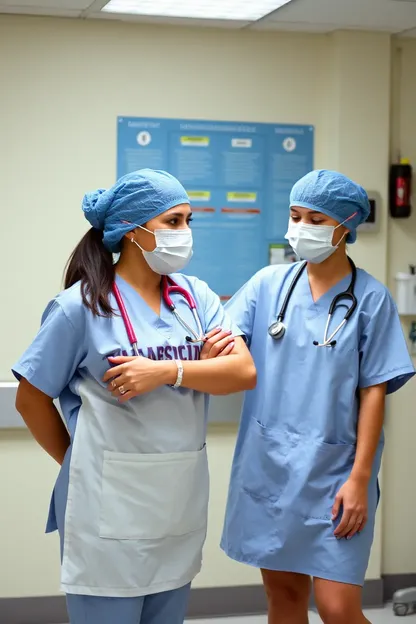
238	177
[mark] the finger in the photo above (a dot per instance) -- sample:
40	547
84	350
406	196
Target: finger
213	333
121	359
362	526
213	336
222	336
343	523
220	345
350	526
218	336
347	525
355	528
117	381
336	507
123	398
120	390
227	350
206	351
341	527
114	372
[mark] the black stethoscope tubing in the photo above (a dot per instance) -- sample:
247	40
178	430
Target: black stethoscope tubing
278	329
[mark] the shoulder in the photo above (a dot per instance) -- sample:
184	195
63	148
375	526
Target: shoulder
190	282
371	291
68	305
273	276
197	288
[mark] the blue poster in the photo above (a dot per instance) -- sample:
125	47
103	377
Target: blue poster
238	177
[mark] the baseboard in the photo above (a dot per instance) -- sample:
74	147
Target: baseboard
42	610
394	582
226	601
205	603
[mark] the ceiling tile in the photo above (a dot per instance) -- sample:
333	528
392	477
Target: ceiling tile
316	16
39	12
294	26
172	21
240	10
386	15
71	5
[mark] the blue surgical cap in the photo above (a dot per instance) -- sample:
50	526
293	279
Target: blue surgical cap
136	198
334	195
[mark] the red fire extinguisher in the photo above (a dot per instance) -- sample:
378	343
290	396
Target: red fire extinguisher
400	189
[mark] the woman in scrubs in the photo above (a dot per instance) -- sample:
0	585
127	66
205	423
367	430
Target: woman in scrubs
304	489
130	502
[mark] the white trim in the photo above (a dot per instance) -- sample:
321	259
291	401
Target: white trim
9	416
223	409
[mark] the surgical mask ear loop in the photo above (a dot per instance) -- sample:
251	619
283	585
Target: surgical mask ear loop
137	245
142	228
338	244
342	223
342	237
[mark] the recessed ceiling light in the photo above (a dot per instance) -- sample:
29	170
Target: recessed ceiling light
240	10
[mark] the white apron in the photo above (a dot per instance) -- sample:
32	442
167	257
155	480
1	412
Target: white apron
136	514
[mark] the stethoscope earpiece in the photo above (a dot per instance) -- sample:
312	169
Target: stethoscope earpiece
327	344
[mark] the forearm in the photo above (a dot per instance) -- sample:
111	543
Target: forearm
218	376
370	424
45	424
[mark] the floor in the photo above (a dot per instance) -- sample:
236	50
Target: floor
376	616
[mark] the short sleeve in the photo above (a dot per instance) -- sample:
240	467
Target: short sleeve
242	307
384	356
53	357
216	316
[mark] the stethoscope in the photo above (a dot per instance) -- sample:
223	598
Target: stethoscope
169	287
277	329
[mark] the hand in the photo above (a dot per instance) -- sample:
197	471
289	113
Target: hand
218	343
131	376
353	496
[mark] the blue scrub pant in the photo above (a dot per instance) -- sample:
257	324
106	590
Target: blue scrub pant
165	608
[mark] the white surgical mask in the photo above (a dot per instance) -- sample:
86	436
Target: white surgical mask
172	253
312	242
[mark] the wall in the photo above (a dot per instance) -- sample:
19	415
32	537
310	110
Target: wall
399	545
63	84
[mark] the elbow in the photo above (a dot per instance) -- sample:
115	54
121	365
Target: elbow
250	378
247	378
29	398
21	401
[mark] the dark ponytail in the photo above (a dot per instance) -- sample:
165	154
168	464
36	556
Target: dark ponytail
92	265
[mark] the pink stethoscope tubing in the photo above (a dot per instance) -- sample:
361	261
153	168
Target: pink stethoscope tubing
169	287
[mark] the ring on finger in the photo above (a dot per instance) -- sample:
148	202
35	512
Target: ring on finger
121	390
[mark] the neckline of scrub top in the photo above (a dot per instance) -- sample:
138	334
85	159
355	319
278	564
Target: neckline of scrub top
146	312
324	301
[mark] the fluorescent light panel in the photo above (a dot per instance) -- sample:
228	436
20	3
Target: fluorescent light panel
239	10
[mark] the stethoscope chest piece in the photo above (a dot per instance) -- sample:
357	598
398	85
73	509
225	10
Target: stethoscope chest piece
277	330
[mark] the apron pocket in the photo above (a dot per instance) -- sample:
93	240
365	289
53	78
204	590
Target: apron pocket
265	467
153	496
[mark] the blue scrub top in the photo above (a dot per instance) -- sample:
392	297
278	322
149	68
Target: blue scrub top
298	432
72	345
72	342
